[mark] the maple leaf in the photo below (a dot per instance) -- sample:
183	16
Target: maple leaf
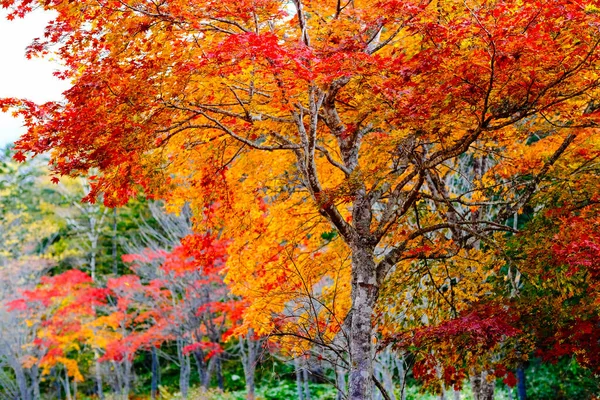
20	156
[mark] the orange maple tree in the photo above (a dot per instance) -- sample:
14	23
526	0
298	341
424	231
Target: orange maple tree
329	140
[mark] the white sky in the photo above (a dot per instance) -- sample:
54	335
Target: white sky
20	77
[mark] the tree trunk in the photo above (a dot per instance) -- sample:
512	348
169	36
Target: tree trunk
299	389
305	378
340	382
249	353
22	383
127	378
201	366
249	372
365	290
57	383
154	384
184	376
35	382
401	376
219	367
114	244
117	382
482	389
94	245
98	374
67	386
212	363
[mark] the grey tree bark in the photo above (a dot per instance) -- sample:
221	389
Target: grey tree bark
482	389
67	386
115	261
21	382
98	372
184	369
201	366
219	372
305	380
299	378
34	374
340	382
127	378
155	366
365	290
249	354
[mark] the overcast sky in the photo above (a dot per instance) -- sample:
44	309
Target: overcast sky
20	77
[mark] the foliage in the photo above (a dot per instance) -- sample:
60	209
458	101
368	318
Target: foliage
564	380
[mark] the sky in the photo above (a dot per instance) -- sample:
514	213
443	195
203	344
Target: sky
20	77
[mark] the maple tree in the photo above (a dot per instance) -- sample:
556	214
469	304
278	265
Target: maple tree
545	288
74	313
557	257
65	306
279	121
19	329
186	302
203	312
27	229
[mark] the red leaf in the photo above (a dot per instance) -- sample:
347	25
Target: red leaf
20	157
510	380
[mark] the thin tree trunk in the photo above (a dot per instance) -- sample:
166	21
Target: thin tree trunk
219	366
401	376
35	382
201	366
126	378
299	389
184	372
98	371
154	384
305	378
94	245
114	244
482	389
22	383
118	379
249	372
67	386
365	290
340	382
58	383
209	372
443	394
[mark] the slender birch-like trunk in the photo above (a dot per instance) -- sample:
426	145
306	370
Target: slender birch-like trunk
154	384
